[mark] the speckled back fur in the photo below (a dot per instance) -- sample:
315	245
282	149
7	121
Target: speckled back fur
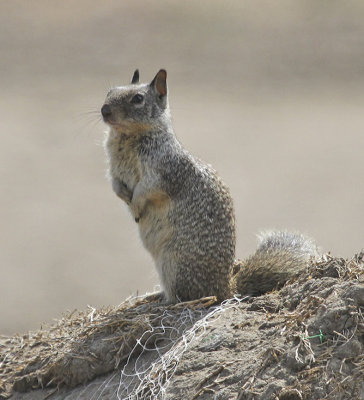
184	210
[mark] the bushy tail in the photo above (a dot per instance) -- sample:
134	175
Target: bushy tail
279	257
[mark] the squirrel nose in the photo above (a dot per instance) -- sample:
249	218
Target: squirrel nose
106	111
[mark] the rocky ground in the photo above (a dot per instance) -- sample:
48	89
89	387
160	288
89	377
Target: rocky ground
305	341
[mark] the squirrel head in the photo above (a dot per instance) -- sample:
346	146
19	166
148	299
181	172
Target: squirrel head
138	106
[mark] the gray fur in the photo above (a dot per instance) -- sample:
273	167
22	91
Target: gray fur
184	210
189	229
279	257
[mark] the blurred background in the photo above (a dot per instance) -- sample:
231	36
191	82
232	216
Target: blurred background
270	93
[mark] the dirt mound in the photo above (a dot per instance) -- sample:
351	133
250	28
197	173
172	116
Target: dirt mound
305	341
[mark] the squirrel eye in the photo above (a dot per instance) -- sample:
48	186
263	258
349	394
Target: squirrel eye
137	99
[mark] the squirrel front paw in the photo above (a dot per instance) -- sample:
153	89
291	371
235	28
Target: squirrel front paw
136	211
137	207
122	191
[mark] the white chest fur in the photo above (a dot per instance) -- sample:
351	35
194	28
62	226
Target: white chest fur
123	161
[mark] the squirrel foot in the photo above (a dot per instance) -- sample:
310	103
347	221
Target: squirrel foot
158	297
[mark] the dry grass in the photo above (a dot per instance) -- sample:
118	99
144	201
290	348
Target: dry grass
320	368
329	365
83	345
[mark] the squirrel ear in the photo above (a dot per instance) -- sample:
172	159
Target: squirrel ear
160	82
135	78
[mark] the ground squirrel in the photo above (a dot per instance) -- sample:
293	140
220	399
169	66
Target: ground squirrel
184	210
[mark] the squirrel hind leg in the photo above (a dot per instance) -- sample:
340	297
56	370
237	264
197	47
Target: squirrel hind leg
280	256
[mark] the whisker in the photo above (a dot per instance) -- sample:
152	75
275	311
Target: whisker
87	123
90	112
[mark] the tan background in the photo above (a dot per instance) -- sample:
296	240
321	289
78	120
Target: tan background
270	93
